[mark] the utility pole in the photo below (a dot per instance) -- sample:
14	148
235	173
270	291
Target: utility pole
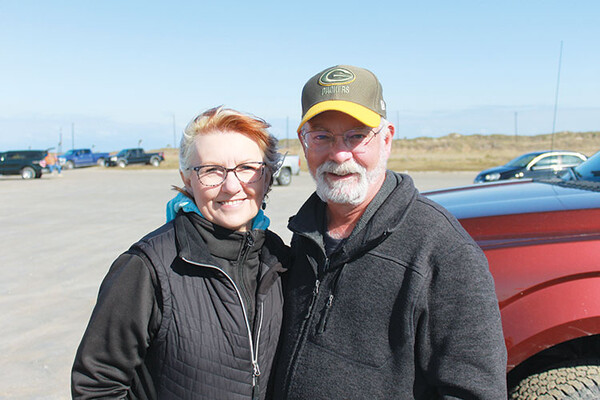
397	134
174	134
60	140
556	96
287	132
516	126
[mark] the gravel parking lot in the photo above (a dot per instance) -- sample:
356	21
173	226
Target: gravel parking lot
59	236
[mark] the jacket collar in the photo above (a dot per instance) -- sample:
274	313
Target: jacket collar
384	215
198	240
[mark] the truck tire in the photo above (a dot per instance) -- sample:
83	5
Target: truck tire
101	162
69	164
27	173
121	163
155	161
575	380
285	177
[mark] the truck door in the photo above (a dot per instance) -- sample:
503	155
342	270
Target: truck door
85	157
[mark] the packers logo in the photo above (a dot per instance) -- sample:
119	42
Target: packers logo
336	76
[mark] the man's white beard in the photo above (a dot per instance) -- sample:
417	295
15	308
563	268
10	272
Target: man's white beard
343	191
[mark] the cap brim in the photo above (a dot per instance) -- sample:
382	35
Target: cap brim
361	113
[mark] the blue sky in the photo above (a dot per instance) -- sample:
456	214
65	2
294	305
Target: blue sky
110	74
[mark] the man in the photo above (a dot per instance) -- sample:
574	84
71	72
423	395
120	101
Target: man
388	297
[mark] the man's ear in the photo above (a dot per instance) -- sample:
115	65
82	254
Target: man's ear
302	142
390	134
389	137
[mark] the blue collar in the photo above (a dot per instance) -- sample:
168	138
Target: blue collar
184	203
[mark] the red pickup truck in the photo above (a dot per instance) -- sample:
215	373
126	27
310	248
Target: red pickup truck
542	241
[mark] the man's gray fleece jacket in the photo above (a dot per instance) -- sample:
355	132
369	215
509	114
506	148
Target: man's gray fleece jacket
405	308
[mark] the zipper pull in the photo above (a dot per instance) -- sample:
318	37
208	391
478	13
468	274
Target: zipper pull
248	243
255	385
249	239
255	372
314	298
326	265
323	322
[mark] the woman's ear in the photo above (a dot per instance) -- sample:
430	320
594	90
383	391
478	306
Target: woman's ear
268	182
186	182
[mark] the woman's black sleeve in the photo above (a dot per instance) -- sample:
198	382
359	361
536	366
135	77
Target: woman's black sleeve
120	330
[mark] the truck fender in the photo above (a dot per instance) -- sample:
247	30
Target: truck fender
552	313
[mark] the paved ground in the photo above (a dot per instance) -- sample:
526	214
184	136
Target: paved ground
58	237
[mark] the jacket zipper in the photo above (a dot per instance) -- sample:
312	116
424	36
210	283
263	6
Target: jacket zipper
313	299
255	366
253	351
323	321
316	289
248	243
332	292
305	327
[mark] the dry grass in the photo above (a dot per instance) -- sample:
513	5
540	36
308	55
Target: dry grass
453	152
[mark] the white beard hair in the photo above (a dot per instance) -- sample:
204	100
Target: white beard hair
342	192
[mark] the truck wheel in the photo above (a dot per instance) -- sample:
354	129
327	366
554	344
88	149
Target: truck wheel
285	177
155	161
69	164
570	381
121	163
101	162
27	173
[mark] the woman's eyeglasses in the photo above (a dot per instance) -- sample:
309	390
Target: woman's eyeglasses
214	175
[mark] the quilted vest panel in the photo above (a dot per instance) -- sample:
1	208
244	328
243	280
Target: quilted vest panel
203	349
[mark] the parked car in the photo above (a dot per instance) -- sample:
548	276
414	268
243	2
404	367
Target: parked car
537	164
27	163
542	241
290	166
135	156
76	158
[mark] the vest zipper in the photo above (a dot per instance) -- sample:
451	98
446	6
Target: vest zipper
253	351
255	366
248	243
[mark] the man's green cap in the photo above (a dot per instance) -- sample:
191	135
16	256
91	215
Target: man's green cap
351	90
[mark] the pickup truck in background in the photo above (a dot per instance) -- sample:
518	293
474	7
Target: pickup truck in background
76	158
290	166
135	156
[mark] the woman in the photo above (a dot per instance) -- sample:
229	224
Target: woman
193	310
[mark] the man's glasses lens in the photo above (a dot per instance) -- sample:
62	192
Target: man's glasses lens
354	138
213	175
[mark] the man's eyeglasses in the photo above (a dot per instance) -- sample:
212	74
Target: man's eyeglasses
354	139
214	175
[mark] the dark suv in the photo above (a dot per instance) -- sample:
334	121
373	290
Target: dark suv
27	163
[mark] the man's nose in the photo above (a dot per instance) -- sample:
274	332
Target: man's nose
339	151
